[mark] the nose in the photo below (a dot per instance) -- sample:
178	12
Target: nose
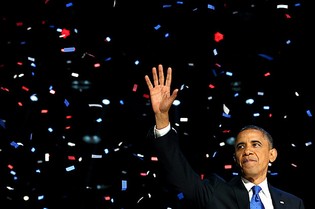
247	151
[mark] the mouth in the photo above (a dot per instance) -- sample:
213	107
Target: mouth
248	160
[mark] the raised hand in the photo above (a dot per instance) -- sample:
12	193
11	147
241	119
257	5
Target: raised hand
160	95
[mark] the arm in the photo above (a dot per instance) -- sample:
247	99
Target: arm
175	168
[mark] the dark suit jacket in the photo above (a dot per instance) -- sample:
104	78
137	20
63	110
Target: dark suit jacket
212	192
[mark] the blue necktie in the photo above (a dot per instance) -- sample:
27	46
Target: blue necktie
255	202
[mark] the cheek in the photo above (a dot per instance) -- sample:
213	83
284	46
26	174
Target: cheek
237	159
264	158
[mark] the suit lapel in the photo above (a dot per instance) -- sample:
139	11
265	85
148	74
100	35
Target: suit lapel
240	193
277	199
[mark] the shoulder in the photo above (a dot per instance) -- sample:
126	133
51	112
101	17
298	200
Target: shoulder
282	197
281	192
235	180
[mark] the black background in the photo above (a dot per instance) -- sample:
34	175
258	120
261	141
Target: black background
251	29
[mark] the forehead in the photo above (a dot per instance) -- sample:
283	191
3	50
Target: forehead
250	134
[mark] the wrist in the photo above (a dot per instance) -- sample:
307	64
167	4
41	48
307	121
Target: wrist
161	121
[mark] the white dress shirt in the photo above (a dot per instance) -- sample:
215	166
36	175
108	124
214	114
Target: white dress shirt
264	194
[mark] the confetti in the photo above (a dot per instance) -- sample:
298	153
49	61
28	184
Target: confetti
75	108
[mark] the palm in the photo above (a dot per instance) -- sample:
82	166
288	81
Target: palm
160	98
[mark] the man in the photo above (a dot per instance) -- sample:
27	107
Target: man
253	152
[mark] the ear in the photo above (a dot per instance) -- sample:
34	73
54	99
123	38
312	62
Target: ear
273	153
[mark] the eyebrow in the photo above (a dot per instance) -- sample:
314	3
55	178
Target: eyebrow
252	141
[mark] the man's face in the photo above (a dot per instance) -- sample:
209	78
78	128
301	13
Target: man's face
253	153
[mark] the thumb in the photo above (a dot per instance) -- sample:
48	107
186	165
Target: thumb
175	93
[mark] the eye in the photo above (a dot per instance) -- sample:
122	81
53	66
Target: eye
256	144
240	146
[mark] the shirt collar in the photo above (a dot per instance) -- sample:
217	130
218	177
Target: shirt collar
263	185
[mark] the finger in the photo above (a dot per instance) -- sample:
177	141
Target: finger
155	77
174	93
161	74
169	77
147	79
